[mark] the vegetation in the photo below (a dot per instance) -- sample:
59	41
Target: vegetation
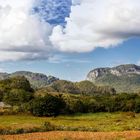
19	82
17	97
126	83
47	106
65	87
10	89
95	122
83	88
36	110
124	78
88	88
56	99
37	80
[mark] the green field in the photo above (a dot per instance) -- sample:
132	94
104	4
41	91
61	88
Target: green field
95	122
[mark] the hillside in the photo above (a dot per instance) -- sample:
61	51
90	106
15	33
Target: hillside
82	88
37	80
124	78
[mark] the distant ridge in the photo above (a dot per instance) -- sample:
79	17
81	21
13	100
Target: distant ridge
124	78
37	80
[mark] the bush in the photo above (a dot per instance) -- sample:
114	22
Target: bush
49	127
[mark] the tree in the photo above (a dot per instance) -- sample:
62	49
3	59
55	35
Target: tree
15	90
106	90
137	105
20	82
17	97
86	87
65	86
92	106
1	95
47	106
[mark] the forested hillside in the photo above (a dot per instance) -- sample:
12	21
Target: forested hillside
124	78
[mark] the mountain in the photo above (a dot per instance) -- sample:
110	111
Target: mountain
124	78
37	80
3	76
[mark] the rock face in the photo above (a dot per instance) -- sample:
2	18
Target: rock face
124	78
37	80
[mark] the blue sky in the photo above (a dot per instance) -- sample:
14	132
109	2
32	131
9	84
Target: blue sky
75	66
70	47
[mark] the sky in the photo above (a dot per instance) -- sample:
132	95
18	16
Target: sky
68	38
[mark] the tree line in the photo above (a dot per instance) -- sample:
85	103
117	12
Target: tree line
64	97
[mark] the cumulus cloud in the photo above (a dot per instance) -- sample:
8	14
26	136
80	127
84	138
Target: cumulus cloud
97	23
27	34
76	2
22	34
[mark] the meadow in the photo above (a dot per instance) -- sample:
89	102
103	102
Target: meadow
103	126
97	122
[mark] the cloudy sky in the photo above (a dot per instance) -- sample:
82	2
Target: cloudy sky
67	38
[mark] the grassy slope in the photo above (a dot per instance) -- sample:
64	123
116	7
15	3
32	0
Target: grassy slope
98	121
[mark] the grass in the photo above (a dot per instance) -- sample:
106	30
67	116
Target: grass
101	122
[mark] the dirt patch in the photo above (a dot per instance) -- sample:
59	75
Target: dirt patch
67	135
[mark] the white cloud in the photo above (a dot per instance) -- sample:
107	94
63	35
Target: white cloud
92	24
22	34
65	59
75	2
98	23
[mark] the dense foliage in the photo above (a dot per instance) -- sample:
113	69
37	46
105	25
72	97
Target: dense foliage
16	90
65	87
107	103
128	84
47	106
88	88
83	87
64	97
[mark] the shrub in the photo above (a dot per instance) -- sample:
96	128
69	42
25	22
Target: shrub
48	126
